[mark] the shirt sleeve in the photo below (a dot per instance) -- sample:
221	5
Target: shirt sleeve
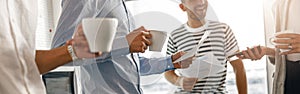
120	47
231	45
155	65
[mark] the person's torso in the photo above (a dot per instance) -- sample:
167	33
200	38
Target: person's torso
19	73
117	76
293	19
289	17
215	43
107	74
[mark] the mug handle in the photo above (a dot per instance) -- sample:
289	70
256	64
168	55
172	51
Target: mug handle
271	40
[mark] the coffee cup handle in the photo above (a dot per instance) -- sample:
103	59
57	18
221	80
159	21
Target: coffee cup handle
271	40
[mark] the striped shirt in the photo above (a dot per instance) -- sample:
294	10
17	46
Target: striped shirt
221	42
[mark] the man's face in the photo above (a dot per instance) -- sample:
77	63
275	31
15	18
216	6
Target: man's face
196	9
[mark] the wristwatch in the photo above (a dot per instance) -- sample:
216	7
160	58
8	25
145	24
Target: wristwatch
72	52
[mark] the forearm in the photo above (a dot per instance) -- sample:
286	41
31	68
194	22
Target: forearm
172	77
241	81
47	60
270	52
241	78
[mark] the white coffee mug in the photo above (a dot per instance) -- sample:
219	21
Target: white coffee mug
100	33
158	40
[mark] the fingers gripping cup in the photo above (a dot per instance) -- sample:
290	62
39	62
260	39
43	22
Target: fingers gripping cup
275	38
158	40
100	33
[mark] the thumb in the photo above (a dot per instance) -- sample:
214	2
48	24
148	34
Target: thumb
69	42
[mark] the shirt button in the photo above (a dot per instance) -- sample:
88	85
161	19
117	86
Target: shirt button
169	66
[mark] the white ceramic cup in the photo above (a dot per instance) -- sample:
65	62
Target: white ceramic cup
279	33
158	40
100	33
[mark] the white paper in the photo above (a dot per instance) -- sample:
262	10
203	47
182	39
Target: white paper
194	50
203	67
187	55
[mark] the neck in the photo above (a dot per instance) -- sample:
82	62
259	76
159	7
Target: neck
195	24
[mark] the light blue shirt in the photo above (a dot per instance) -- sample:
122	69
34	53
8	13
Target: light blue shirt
114	72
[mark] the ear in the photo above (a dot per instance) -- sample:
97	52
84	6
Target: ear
182	7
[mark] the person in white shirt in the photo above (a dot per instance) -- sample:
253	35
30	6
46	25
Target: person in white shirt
287	63
20	64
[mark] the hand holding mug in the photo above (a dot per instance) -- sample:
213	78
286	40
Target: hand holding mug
138	40
80	45
290	42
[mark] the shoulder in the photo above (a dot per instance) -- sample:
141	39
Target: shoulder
177	30
218	25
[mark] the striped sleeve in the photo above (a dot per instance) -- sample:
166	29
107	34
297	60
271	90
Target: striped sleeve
171	49
231	45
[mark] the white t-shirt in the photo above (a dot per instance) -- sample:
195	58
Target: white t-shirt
18	70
